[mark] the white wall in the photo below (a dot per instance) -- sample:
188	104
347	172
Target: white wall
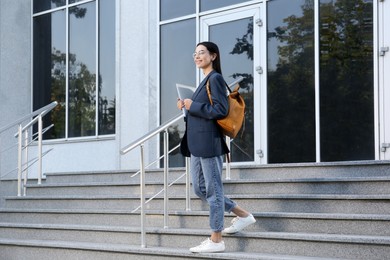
138	100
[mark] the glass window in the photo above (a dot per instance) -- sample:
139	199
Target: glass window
43	5
106	81
74	1
235	43
175	8
82	70
346	80
88	108
291	95
206	5
177	66
49	68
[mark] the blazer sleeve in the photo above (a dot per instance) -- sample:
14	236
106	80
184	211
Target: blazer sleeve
202	107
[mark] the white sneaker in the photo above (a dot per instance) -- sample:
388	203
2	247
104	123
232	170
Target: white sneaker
208	246
239	224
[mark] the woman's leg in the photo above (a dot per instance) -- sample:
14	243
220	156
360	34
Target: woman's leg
212	172
198	182
207	183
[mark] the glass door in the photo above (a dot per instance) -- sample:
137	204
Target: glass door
237	34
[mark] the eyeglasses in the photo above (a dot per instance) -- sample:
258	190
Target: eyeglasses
201	52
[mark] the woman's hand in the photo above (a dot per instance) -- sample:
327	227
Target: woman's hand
180	103
187	103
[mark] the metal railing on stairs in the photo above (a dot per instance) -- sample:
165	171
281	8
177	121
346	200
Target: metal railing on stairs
24	142
140	143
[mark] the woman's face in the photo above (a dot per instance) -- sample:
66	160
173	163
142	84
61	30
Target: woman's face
203	58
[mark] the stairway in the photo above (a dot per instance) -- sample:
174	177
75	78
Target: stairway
303	211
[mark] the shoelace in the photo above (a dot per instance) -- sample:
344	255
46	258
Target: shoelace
206	241
235	220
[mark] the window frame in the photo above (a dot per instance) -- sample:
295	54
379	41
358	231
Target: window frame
66	8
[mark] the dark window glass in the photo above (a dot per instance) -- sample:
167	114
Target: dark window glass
82	70
106	107
346	80
43	5
49	69
177	66
75	1
175	8
291	95
234	40
206	5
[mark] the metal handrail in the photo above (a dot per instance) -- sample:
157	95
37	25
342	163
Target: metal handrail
33	114
140	143
22	136
149	135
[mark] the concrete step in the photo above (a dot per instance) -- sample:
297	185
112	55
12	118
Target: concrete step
346	185
270	171
325	210
348	224
64	250
307	203
296	244
131	176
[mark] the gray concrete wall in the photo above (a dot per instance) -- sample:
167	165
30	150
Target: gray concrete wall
136	90
15	72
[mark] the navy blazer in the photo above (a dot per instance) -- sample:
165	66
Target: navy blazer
204	138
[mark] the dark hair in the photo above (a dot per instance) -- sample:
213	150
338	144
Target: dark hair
213	48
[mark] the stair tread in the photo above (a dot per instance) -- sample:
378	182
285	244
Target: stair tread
244	181
137	249
236	196
318	237
338	216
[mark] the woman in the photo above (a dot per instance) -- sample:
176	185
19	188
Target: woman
206	145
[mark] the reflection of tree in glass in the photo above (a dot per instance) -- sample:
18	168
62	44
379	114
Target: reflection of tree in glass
241	146
82	92
76	10
291	117
245	45
345	82
58	75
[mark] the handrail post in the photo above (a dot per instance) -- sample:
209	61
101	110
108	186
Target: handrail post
40	149
188	185
228	161
20	160
26	159
142	182
166	161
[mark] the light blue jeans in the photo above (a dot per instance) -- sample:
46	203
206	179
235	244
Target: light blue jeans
207	183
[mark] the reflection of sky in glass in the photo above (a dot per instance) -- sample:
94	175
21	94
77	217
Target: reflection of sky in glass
176	8
206	5
107	48
177	64
231	63
42	5
82	37
58	31
277	11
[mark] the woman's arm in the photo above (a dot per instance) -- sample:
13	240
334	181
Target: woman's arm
201	107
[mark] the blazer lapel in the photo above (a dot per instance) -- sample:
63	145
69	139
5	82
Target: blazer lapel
201	85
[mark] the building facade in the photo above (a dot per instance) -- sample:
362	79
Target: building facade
315	77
